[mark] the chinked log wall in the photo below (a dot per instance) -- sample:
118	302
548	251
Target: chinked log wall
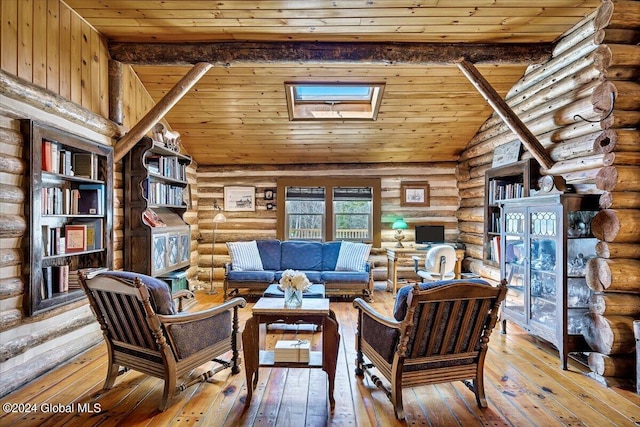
261	224
593	138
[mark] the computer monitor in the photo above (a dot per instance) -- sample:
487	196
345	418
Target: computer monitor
429	234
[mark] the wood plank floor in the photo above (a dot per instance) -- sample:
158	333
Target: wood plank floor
524	384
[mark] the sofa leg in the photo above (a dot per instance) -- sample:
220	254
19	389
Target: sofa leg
366	295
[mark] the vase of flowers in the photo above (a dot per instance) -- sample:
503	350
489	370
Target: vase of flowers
293	283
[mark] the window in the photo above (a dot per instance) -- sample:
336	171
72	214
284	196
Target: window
333	101
329	209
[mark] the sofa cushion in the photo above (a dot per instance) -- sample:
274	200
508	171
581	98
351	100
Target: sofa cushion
245	256
270	253
251	276
353	256
300	255
330	251
312	275
400	308
161	299
345	276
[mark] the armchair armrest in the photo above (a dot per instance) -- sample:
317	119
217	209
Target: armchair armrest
416	262
389	322
181	295
168	320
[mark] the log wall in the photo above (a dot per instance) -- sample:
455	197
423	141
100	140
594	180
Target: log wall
582	105
67	88
261	224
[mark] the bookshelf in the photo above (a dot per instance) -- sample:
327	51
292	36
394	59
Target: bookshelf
157	239
70	214
502	183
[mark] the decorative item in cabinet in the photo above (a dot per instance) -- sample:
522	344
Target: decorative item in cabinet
70	214
157	239
546	241
506	182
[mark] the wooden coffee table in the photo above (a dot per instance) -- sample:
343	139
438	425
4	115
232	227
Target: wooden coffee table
272	310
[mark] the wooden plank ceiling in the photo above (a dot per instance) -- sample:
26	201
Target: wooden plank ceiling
237	113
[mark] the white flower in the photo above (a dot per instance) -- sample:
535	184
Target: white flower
293	279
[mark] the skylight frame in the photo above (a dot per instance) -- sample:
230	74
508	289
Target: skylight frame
334	107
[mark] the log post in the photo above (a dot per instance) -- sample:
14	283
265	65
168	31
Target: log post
609	335
116	92
160	109
617	225
613	275
502	109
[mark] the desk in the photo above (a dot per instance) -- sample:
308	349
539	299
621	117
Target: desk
270	310
399	254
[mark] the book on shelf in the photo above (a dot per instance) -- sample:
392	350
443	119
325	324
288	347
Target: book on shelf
76	238
60	278
85	165
46	287
152	219
89	272
94	232
89	199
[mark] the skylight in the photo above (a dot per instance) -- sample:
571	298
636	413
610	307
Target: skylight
333	101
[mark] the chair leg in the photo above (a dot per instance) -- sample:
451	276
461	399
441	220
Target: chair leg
478	388
112	373
396	400
168	392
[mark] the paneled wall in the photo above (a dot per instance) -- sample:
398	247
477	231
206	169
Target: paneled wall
261	224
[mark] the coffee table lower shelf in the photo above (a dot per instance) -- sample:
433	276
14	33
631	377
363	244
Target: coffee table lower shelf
267	358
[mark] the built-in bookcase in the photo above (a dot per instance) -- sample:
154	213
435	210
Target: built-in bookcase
502	183
69	213
157	239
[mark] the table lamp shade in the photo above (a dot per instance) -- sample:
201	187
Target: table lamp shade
399	224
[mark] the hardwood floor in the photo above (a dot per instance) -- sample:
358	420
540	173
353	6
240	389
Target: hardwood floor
524	384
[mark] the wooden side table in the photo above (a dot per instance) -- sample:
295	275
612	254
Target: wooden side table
272	310
394	255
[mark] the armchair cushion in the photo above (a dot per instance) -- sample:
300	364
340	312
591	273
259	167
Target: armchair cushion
400	308
161	299
190	337
353	256
245	256
383	339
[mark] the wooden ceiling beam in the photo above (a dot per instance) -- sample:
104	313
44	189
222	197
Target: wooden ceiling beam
159	110
510	118
229	53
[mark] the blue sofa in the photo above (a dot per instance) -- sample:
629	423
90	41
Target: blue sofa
317	260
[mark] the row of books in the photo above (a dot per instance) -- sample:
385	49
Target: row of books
57	159
501	190
168	166
59	279
159	193
80	236
493	251
87	199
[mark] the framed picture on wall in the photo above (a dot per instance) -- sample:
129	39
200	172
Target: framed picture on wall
239	198
269	193
414	193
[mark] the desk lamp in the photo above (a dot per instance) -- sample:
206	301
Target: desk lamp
399	225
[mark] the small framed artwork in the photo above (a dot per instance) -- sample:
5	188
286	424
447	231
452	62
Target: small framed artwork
239	198
414	193
506	154
270	206
75	238
268	194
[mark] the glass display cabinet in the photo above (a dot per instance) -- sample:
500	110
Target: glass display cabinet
546	241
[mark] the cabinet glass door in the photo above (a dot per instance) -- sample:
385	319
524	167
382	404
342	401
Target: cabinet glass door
542	254
581	246
514	261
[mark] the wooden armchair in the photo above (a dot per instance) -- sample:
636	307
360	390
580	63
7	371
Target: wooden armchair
168	346
440	334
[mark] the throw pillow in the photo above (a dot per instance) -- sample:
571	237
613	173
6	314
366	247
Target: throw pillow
245	256
161	299
352	256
